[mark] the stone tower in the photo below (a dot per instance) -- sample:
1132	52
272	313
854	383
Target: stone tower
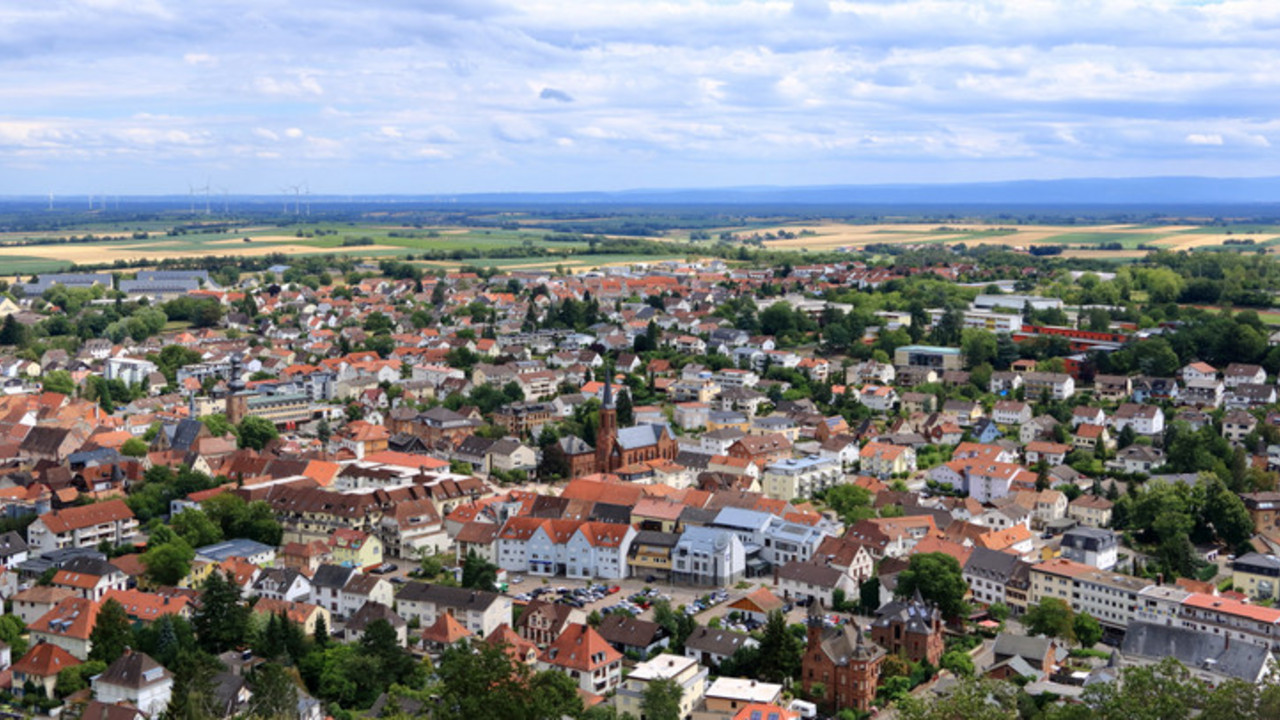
237	399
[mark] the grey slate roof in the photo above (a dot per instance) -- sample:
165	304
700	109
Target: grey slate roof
334	577
447	596
991	565
640	436
717	642
1237	658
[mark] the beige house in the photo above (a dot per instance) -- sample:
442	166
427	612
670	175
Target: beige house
683	671
1091	511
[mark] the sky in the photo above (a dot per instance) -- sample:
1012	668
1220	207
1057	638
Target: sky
454	96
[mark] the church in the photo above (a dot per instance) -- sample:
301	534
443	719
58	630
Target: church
617	448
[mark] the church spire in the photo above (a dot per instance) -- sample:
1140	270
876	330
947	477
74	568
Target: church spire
608	387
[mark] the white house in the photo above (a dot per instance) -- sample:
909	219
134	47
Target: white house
599	550
1144	419
137	679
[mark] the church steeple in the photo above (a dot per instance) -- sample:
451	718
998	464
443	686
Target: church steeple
607	434
608	401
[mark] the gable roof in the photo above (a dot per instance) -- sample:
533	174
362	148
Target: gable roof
134	670
45	660
77	518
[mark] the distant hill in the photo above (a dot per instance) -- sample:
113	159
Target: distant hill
1091	191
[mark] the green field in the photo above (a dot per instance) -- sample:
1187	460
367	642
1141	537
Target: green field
28	265
1128	240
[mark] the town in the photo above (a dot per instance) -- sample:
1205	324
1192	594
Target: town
936	482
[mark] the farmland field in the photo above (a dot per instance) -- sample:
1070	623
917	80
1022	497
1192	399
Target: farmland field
447	245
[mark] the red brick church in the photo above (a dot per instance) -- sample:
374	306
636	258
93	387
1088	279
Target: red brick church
617	448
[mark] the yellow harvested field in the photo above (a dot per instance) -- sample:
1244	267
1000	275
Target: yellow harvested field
1197	240
258	238
827	236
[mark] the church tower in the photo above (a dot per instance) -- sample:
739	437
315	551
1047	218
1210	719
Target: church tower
607	433
237	399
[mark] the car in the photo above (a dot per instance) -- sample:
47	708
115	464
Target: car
517	579
385	568
613	590
398	580
650	578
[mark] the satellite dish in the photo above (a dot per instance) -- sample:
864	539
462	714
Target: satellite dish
722	542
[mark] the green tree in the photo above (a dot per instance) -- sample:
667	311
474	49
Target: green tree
1051	617
677	624
626	412
13	332
851	502
1086	629
74	679
970	699
939	579
221	620
218	425
134	447
169	562
193	695
478	573
998	612
661	700
256	432
112	633
480	681
196	527
1164	691
12	630
59	381
321	635
958	662
381	642
780	650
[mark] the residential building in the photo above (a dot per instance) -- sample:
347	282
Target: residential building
1058	386
927	356
135	678
85	526
1256	575
801	478
712	646
1090	511
881	460
709	556
587	658
842	662
480	611
1112	599
685	672
1091	546
910	628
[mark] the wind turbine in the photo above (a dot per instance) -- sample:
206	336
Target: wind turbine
51	201
225	210
191	194
307	190
285	192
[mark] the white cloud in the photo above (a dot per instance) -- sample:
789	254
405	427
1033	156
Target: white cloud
702	90
1204	139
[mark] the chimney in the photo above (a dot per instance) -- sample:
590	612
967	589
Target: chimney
1159	578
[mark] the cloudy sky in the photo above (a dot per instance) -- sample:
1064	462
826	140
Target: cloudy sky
442	96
